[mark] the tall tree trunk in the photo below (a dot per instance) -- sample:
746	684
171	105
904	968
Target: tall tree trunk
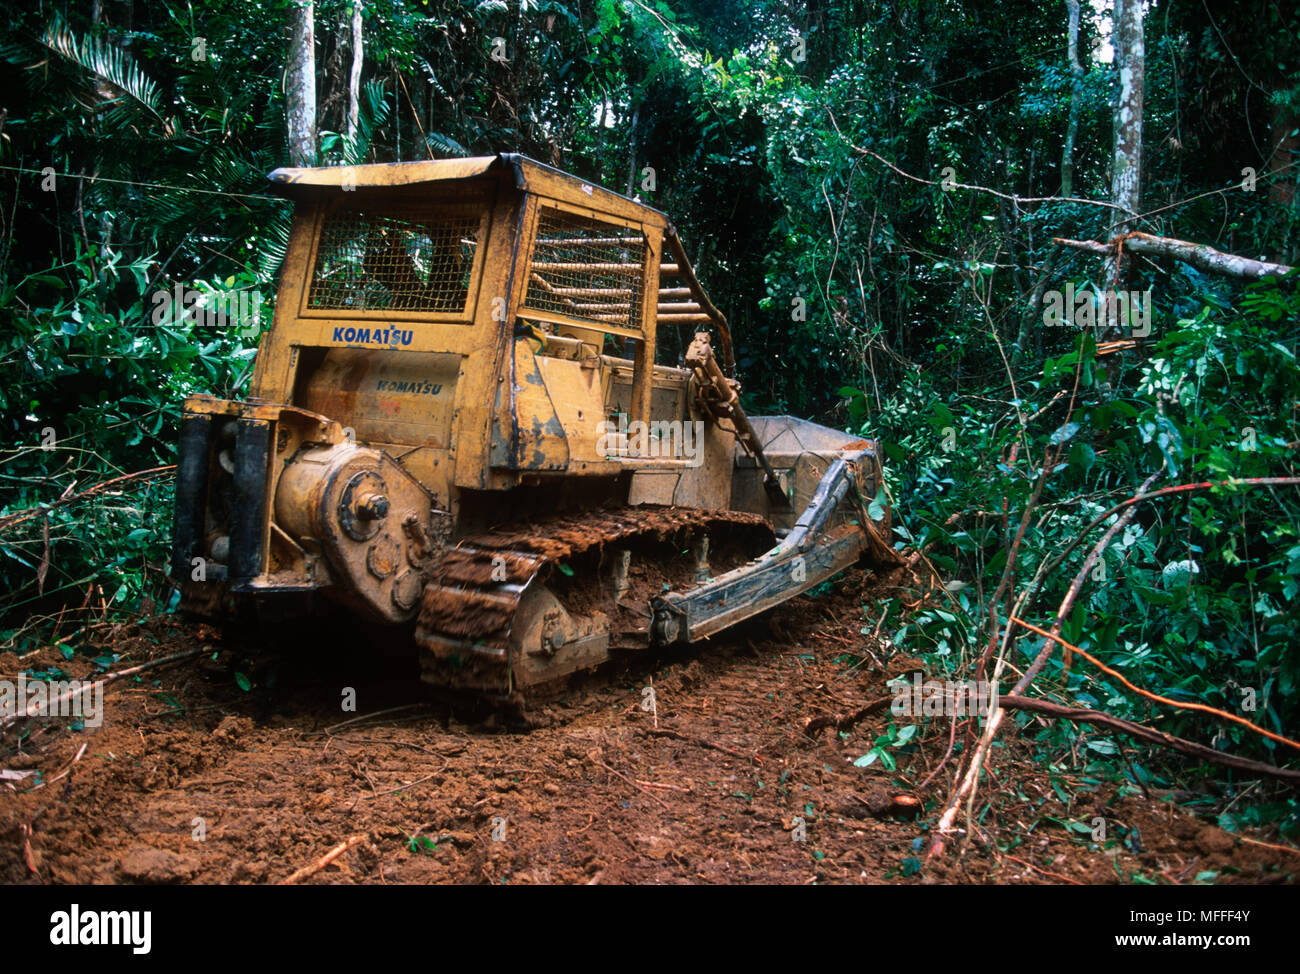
1130	57
633	148
300	85
1126	168
1076	99
354	79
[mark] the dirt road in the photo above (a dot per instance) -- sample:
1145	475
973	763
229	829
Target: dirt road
191	778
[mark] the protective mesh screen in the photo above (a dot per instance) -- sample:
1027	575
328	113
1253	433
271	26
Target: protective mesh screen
418	258
587	269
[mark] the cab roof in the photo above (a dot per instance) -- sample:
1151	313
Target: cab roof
528	174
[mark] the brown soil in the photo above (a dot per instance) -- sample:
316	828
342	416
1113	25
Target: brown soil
707	787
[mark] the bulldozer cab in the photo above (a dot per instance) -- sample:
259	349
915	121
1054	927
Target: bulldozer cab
493	320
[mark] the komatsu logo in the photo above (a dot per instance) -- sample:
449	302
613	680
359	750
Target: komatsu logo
373	336
417	387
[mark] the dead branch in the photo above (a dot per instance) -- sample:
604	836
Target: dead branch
1050	566
1076	587
844	721
106	679
314	867
1148	734
19	517
701	742
1201	256
1155	697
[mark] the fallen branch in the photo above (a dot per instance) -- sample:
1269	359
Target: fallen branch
1148	734
106	679
701	742
11	520
1201	256
1076	588
314	867
1155	697
66	768
968	782
971	777
844	721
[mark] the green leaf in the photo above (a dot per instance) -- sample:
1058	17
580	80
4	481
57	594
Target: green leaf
1082	457
878	507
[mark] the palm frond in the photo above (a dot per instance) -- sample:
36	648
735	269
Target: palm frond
110	64
273	245
447	145
372	112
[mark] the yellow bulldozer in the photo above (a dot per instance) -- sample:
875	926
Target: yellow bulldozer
495	413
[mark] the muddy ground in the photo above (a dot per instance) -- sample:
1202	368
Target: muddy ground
191	778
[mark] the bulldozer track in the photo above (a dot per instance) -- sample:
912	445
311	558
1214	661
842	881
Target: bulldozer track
469	625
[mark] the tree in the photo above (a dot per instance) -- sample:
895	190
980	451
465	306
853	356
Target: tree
1130	58
354	77
300	84
1076	98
